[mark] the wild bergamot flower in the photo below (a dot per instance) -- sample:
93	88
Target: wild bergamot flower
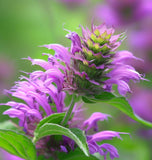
92	63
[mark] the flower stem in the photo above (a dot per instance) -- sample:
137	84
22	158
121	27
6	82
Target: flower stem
69	112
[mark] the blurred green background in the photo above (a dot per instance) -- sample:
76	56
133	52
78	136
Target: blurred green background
26	25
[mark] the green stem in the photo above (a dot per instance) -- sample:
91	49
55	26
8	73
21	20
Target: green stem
68	113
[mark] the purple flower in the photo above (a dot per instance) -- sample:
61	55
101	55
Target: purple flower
100	136
140	42
7	70
141	102
92	66
119	13
111	149
39	94
89	67
92	140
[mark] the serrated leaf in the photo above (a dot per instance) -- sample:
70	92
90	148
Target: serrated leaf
122	104
54	118
17	144
49	129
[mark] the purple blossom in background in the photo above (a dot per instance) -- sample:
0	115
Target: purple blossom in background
7	70
92	63
141	102
120	13
140	41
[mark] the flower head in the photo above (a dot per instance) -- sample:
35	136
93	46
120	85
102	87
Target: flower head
39	95
93	65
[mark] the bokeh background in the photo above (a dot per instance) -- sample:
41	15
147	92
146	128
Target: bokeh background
26	25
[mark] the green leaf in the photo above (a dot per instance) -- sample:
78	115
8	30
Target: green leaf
72	155
81	136
104	96
54	129
75	155
119	102
17	144
7	125
87	100
41	157
54	118
122	104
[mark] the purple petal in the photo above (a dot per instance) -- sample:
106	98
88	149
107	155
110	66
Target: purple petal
40	62
124	57
15	113
42	100
94	148
94	118
57	77
61	52
123	87
76	42
63	149
105	135
111	149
